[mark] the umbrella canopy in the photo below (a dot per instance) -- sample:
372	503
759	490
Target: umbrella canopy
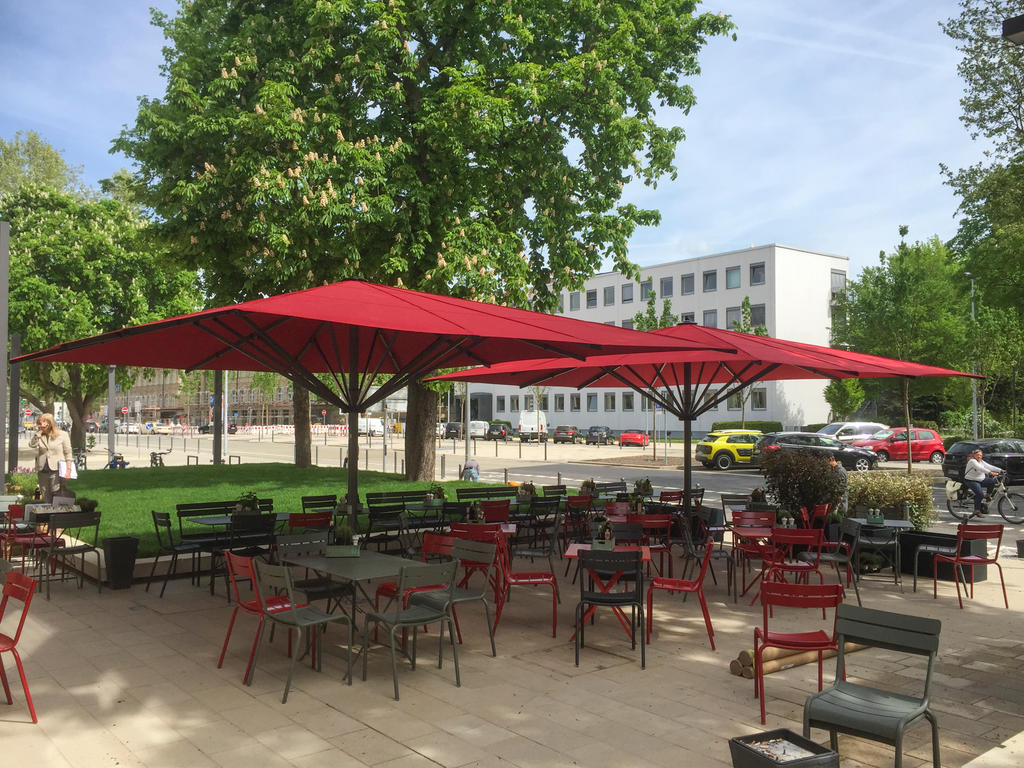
355	331
689	382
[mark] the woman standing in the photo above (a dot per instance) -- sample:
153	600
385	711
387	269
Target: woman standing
52	445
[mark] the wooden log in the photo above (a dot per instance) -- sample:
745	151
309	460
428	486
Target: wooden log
746	657
803	657
735	667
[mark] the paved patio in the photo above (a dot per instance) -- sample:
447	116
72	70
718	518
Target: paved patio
124	678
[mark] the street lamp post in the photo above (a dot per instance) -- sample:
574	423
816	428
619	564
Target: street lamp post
974	382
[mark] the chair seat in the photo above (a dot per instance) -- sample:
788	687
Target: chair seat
967	559
323	589
864	711
304	616
812	640
531	577
6	642
411	615
673	585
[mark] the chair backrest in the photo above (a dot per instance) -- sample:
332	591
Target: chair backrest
309	544
816	517
753	517
543	506
453	511
496	510
241	568
670	497
20	588
84	526
628	533
247	523
272	581
310	520
162	520
478	555
441	575
776	594
476	531
785	540
436	546
966	532
616	507
730	500
628	564
709	551
324	502
579	502
557	491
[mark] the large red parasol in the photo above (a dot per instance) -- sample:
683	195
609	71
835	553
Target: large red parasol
356	332
689	382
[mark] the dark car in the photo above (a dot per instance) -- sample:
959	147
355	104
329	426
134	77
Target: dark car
453	430
600	436
497	432
1005	452
206	429
565	433
850	457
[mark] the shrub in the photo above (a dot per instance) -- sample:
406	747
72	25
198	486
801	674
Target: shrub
891	489
800	479
761	426
813	427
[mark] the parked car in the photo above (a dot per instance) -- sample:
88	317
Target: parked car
206	429
599	436
478	429
497	432
861	459
925	445
634	437
726	447
131	428
1005	452
848	431
453	430
566	433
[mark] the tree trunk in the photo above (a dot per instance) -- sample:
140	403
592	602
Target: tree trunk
78	407
906	416
303	436
420	432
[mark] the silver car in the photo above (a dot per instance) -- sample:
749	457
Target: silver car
848	431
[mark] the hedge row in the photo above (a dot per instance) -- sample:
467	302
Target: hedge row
762	426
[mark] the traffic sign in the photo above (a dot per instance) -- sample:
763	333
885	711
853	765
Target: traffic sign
28	411
124	410
323	413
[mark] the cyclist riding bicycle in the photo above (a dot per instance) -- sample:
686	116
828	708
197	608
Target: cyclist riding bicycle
978	475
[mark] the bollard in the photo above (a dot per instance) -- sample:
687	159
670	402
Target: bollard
384	462
341	456
442	466
559	477
316	455
545	449
403	466
495	449
520	447
506	475
366	457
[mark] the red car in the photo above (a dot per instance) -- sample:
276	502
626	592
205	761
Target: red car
634	437
925	445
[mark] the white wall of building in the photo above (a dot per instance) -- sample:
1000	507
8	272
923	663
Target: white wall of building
795	296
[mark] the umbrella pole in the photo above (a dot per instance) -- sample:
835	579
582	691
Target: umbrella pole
687	431
352	495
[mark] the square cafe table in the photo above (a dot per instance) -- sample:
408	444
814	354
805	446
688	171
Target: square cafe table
607	584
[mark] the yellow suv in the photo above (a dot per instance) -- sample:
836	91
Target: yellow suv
726	447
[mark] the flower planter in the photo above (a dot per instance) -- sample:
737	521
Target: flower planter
780	747
909	541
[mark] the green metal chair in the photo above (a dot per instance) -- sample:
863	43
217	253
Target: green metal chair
276	580
874	713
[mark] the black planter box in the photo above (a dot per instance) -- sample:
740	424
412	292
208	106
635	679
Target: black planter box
745	756
119	554
909	541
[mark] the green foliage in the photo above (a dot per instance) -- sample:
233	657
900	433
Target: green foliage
844	397
961	422
812	427
480	152
800	479
248	501
342	533
649	320
761	426
643	487
438	490
891	489
28	160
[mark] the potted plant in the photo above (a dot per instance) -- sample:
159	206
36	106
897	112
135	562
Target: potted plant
344	543
248	503
87	505
527	491
605	539
588	488
435	491
642	488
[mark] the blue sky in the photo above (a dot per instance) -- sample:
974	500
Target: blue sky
821	127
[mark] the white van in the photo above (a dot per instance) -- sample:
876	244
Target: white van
528	427
478	429
371	426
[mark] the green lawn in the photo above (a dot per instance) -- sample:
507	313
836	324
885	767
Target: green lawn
126	497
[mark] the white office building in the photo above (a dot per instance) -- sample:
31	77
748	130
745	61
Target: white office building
790	292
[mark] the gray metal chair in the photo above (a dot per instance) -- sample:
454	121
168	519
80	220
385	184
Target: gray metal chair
71	533
844	553
274	580
441	578
874	713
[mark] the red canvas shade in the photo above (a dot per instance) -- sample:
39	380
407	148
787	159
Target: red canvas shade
354	331
689	382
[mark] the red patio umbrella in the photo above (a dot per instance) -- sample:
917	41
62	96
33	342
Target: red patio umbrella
355	331
689	382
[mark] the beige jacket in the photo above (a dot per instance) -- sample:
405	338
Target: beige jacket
50	450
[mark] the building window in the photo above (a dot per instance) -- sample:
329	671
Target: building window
757	273
687	317
838	281
646	289
528	403
666	287
574	401
513	403
591	298
592	402
732	277
627	401
574	301
757	316
710	318
544	402
609	401
759	399
609	296
627	324
499	403
559	403
645	403
733	317
735	401
686	284
710	396
627	293
710	281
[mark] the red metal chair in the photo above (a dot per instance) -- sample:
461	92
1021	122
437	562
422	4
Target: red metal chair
496	510
241	569
18	533
298	522
816	517
657	536
747	548
687	586
20	588
512	578
774	593
966	532
575	524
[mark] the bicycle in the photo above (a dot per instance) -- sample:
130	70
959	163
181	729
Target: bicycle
156	458
116	461
960	501
81	460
